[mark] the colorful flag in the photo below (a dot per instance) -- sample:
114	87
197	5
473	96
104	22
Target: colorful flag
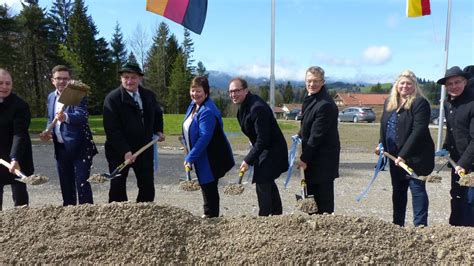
189	13
417	8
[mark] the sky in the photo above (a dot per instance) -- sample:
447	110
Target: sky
352	40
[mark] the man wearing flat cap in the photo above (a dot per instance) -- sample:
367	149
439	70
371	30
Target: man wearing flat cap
459	111
131	117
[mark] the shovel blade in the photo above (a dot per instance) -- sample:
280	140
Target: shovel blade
298	197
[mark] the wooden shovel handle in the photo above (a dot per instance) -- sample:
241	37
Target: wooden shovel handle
454	164
55	120
8	165
142	149
401	164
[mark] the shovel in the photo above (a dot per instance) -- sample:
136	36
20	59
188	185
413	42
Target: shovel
405	167
465	180
305	202
100	178
189	184
30	180
72	95
237	188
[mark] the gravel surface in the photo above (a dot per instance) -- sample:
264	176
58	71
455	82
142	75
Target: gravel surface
170	230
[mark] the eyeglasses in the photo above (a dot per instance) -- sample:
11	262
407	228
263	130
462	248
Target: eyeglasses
61	79
236	91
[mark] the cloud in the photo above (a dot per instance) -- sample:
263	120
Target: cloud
377	55
334	60
257	70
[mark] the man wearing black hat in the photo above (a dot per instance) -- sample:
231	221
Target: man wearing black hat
131	117
459	111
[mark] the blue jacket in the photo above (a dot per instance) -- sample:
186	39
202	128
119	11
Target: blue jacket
76	133
210	151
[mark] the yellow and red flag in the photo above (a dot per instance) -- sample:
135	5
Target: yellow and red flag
189	13
418	8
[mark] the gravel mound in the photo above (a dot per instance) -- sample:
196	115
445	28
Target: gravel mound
153	233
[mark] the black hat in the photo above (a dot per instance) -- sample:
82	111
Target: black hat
131	68
470	70
453	72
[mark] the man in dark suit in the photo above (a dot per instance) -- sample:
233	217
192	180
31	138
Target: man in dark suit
15	143
269	153
74	147
320	141
131	117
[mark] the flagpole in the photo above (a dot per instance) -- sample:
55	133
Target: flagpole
272	61
443	88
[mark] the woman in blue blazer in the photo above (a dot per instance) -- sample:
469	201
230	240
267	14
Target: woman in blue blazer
209	149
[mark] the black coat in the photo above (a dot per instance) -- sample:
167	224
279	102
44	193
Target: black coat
460	129
320	138
126	128
14	137
269	154
413	138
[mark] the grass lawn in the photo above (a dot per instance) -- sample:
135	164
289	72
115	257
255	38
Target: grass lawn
354	137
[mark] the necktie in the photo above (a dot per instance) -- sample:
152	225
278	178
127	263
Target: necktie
137	99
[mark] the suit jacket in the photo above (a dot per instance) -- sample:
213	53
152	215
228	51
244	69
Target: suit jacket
413	138
14	137
75	133
460	129
320	138
210	150
269	153
126	127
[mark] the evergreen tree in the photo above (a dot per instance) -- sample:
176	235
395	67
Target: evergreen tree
188	49
201	70
36	55
264	92
60	14
132	59
156	67
119	52
8	38
288	93
172	51
90	58
178	94
377	88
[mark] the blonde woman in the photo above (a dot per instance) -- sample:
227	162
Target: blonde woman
404	133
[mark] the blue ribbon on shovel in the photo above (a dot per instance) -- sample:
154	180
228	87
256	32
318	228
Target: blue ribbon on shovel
155	155
291	157
378	168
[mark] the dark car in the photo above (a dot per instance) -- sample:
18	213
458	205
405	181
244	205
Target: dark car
357	114
291	115
434	118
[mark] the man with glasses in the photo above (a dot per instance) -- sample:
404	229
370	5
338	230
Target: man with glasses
269	153
74	147
320	141
459	110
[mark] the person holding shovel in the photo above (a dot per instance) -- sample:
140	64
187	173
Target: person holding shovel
459	111
131	117
404	133
15	143
74	147
269	152
320	141
209	149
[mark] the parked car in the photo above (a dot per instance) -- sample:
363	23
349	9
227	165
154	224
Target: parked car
357	114
291	115
299	116
434	118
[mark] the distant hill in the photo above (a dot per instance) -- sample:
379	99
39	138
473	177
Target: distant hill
220	80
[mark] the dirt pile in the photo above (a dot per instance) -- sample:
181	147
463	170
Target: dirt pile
152	233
